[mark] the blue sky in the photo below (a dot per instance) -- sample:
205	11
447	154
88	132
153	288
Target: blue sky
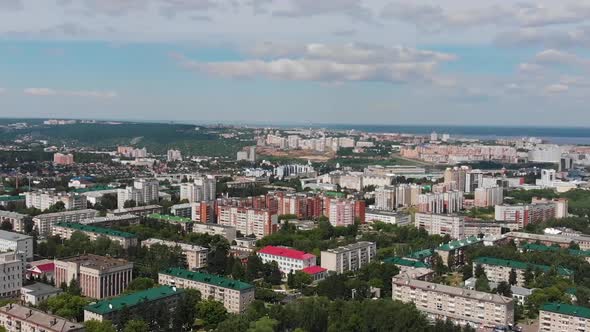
298	61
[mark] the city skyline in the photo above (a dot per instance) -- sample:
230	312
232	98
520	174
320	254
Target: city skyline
345	61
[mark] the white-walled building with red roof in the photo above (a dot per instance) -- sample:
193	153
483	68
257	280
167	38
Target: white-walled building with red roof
316	272
289	260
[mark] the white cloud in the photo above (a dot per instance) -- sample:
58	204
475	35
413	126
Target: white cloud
556	88
351	8
70	93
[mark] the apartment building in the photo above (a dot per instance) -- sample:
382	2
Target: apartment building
135	304
19	243
43	200
564	318
388	217
249	221
349	258
289	260
561	205
341	212
173	155
202	189
443	202
44	223
65	231
12	272
63	158
98	276
141	211
17	220
477	228
486	197
228	232
185	224
112	220
196	256
234	294
453	252
182	210
441	224
524	214
556	239
498	270
462	306
143	191
18	318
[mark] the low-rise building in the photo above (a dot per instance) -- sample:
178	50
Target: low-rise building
459	305
388	217
135	304
555	248
185	224
43	200
196	256
556	239
36	293
498	270
18	318
453	252
478	229
234	294
289	260
12	272
317	273
141	211
65	231
43	223
564	318
97	276
348	258
17	220
413	269
40	268
107	221
20	243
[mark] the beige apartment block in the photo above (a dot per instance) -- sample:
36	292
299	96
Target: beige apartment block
196	256
18	318
348	258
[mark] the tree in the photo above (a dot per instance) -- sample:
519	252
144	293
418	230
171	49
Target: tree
129	203
66	305
109	201
98	326
512	278
482	284
211	313
264	324
479	271
503	289
528	275
57	207
135	325
467	271
184	315
74	288
254	267
6	225
139	284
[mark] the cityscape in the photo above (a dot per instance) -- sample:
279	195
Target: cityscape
294	166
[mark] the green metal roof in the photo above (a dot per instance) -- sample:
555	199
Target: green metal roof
168	217
131	300
421	254
12	198
405	262
457	244
210	279
95	229
519	265
95	188
567	309
544	248
334	194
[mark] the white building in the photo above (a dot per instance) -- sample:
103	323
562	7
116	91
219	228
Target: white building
257	222
349	258
17	220
43	223
441	224
545	153
202	189
43	200
19	243
12	272
446	202
341	212
486	197
173	155
143	191
289	260
38	292
388	217
19	318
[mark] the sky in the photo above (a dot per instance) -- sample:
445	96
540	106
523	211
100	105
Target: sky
447	62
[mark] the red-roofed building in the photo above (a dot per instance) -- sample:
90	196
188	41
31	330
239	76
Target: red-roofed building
316	272
39	268
289	260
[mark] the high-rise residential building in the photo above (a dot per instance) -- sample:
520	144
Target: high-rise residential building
447	202
143	191
242	155
289	260
563	317
98	276
202	189
252	154
441	224
561	205
349	258
234	294
135	305
63	159
12	273
456	177
342	212
486	197
66	229
17	220
43	200
195	256
18	318
173	155
462	306
259	222
385	198
524	214
44	223
498	270
19	243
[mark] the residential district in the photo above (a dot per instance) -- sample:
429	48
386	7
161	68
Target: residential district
302	230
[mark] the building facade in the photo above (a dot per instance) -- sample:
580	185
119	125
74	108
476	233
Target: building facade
289	260
17	220
19	243
196	256
12	273
44	223
249	221
441	224
564	318
349	258
43	200
18	318
65	231
143	191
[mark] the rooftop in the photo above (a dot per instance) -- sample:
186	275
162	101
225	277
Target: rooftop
46	321
567	309
405	262
285	252
457	244
183	246
96	262
65	213
208	278
5	198
558	238
554	248
519	265
131	300
456	291
169	218
352	246
12	214
5	235
95	229
421	254
314	270
38	289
